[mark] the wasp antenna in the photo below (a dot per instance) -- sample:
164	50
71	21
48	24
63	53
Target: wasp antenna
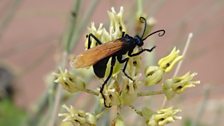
143	20
160	34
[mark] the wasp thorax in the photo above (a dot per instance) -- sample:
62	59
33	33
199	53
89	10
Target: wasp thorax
138	40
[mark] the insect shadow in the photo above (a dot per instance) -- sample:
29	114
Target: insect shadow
99	56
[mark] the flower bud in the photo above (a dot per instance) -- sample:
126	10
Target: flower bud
163	117
117	25
99	33
118	121
154	75
128	93
167	63
178	85
111	95
68	81
78	117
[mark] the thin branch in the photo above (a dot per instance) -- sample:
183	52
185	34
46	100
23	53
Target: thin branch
99	115
150	93
9	16
57	96
71	41
73	24
137	111
82	25
183	54
202	107
90	92
180	63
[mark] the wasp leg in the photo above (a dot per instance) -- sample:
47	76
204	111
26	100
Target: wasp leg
123	34
120	60
95	38
132	55
113	60
143	50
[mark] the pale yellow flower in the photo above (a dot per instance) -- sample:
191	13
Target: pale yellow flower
154	75
68	81
163	117
116	28
111	95
129	92
167	63
78	117
118	121
178	85
117	25
99	33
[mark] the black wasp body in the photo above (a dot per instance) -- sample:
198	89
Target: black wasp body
127	47
99	56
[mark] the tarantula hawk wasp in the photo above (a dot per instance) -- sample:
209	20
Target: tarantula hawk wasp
99	56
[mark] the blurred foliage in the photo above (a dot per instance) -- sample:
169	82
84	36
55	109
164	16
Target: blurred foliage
189	122
10	114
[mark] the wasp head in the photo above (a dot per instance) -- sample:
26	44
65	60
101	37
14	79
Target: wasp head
138	40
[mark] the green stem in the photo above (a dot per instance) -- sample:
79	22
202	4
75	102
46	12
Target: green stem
139	11
218	116
150	93
9	16
137	111
186	47
57	98
90	92
70	42
202	107
80	28
39	110
73	24
99	115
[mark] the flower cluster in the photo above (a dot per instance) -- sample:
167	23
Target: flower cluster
68	81
116	28
163	117
117	95
121	91
175	85
78	117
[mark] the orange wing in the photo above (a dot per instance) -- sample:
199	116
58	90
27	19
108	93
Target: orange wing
93	55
